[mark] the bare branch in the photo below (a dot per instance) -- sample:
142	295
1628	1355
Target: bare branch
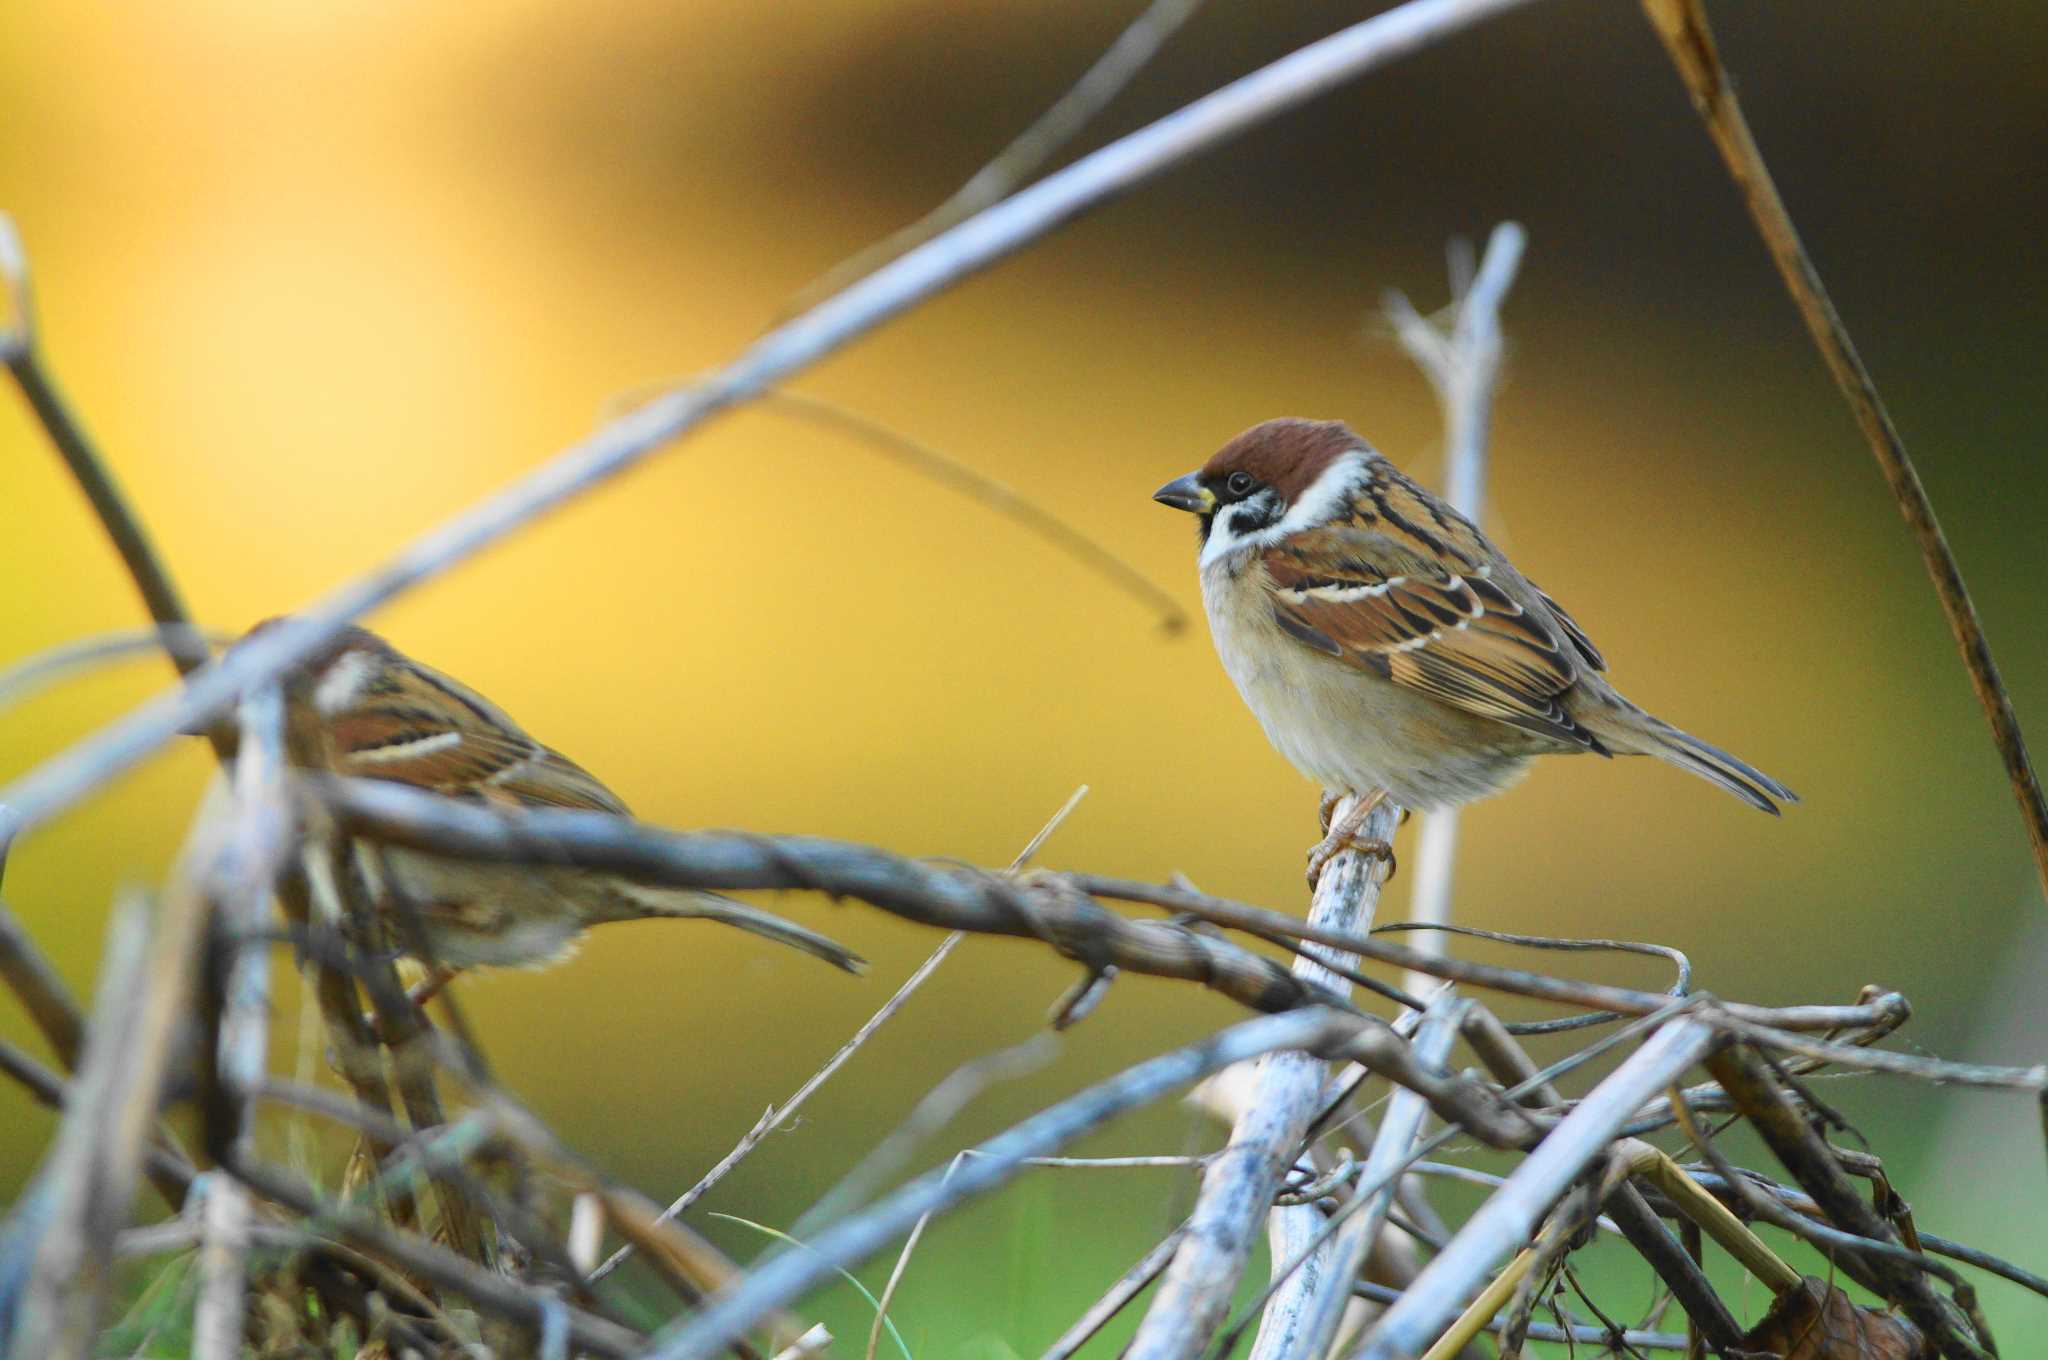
243	878
23	357
28	972
853	1239
1682	24
774	1116
1118	1297
1508	1217
1392	1148
1030	149
1543	1331
950	472
24	677
1281	1100
87	1176
1745	1077
1632	1214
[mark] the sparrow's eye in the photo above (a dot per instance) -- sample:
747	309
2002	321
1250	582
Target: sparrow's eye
1240	484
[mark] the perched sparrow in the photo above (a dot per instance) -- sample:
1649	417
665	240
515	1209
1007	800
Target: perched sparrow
1386	646
363	708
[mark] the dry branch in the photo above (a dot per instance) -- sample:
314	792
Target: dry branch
23	357
87	1174
1393	1147
1119	1295
1745	1076
1055	908
1029	150
1281	1100
1632	1213
1682	24
855	1238
1510	1215
261	842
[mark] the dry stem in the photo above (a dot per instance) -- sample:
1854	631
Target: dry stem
1682	24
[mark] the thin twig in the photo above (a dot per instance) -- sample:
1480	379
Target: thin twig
910	1244
775	1116
1238	915
1682	24
1392	1147
1366	1187
936	465
896	1271
973	245
853	1239
1031	848
169	1170
24	677
1801	1202
1543	1331
28	972
932	1112
1029	150
1054	908
1117	1297
23	357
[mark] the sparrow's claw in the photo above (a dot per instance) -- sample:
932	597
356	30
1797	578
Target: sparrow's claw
429	987
1330	846
1328	810
1344	836
419	994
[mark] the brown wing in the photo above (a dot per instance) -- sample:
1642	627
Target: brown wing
417	726
1406	588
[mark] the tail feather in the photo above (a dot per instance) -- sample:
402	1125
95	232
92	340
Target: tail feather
712	906
1652	736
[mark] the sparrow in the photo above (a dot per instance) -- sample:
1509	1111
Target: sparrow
1387	647
360	707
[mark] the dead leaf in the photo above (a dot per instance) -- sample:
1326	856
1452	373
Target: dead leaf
1817	1321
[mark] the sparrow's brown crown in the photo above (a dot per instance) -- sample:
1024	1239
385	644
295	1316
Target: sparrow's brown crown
1286	455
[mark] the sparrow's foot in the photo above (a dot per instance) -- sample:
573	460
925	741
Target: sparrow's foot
1344	836
1328	810
419	994
429	987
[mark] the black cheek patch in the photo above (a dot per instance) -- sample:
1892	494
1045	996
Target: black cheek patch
1247	519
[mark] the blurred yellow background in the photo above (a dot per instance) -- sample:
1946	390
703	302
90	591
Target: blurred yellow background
318	276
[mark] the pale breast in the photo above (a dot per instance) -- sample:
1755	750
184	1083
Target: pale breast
1348	729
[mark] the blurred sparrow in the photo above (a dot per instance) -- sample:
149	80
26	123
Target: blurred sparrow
361	707
1387	647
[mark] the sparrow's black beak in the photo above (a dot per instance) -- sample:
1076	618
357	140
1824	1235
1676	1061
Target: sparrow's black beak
1186	493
